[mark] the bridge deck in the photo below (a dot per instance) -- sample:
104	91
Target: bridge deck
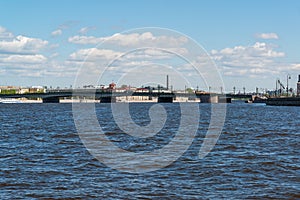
99	93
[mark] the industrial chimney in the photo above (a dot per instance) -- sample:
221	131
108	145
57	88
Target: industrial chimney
298	86
168	81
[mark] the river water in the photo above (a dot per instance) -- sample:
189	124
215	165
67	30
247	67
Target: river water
256	157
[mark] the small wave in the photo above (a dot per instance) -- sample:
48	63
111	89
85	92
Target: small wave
17	185
230	147
266	135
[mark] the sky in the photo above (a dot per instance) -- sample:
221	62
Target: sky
60	43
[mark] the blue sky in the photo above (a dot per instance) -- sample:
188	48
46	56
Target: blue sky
252	42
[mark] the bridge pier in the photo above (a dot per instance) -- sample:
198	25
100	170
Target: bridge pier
224	99
165	98
110	99
51	100
207	98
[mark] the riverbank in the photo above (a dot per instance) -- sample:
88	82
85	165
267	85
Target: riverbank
283	101
120	100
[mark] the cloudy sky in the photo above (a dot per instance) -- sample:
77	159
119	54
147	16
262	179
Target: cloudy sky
243	43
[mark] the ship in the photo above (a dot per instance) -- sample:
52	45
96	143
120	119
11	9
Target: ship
10	101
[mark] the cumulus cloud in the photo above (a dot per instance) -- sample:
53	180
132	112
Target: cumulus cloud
125	52
93	54
132	40
4	34
24	59
139	55
22	44
22	56
267	36
259	58
56	32
85	40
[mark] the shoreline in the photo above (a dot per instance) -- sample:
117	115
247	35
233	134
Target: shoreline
154	100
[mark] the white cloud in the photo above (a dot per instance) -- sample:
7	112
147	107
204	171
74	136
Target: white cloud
108	55
56	32
21	56
84	30
57	69
136	50
259	58
4	34
132	40
85	40
257	50
267	36
24	59
143	47
22	44
295	66
93	54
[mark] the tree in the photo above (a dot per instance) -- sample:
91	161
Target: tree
124	86
189	90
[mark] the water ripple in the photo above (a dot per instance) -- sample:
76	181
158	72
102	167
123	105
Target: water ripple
256	157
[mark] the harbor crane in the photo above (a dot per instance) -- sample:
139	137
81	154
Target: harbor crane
281	88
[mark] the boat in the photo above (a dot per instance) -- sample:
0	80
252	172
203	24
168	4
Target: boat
10	101
257	99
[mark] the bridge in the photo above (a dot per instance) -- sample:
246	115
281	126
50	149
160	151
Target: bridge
240	96
106	96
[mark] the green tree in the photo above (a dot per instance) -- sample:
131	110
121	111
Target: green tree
189	90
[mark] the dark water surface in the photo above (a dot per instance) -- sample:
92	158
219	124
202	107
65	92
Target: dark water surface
256	157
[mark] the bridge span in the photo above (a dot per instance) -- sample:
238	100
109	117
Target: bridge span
53	96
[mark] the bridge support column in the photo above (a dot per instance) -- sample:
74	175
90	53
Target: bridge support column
51	100
208	98
108	99
165	99
224	99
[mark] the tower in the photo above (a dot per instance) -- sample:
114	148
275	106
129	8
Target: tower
167	82
298	86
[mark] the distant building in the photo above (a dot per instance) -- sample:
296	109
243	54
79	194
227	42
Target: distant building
36	90
23	90
112	86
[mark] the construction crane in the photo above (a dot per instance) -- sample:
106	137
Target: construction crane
282	88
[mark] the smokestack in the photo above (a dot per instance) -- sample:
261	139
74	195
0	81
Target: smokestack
168	81
298	86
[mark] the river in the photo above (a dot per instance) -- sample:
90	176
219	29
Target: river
256	156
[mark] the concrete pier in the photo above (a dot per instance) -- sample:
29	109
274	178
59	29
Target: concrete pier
165	98
214	98
51	100
111	99
224	99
